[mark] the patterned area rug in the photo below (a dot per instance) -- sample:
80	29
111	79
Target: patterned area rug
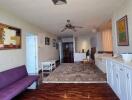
75	73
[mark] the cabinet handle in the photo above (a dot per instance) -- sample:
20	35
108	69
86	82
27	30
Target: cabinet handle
117	75
121	69
127	75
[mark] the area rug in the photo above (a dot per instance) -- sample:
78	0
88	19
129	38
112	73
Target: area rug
75	73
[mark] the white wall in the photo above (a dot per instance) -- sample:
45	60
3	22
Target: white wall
82	42
126	9
12	58
93	41
67	39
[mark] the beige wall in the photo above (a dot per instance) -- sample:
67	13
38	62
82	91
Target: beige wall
126	9
16	57
107	40
106	36
47	52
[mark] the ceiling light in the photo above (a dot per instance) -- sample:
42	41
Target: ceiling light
94	30
59	2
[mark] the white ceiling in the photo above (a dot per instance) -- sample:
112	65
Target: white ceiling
52	18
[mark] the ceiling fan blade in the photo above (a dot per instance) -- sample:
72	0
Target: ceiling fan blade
63	29
78	27
74	29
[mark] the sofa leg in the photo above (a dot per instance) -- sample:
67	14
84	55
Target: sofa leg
37	85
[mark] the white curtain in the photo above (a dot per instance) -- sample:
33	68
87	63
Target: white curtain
107	40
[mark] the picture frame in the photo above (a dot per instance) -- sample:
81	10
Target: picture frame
10	37
47	41
57	45
54	42
122	31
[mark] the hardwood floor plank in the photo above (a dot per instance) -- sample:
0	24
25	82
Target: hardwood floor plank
67	91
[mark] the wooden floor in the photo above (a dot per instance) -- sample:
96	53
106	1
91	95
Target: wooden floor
69	92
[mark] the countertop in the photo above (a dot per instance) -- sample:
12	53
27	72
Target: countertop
119	60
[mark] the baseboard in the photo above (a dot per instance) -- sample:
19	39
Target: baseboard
74	82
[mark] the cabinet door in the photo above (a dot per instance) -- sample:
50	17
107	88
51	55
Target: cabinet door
129	83
109	73
115	78
116	81
122	76
103	68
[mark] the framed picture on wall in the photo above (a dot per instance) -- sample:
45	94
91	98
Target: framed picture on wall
10	37
122	32
54	42
47	41
57	45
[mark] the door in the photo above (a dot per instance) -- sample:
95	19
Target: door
68	52
60	52
32	54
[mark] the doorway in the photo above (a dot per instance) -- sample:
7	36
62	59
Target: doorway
32	54
67	52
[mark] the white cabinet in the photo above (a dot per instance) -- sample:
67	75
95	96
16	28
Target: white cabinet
122	77
79	57
103	68
129	83
116	79
101	64
109	73
119	77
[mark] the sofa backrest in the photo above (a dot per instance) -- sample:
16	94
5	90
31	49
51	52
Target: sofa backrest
9	76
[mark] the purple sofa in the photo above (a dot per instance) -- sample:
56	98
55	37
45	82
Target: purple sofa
15	81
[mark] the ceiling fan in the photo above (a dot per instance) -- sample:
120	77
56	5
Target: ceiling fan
70	26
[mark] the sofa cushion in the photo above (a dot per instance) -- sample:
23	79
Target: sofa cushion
12	75
14	89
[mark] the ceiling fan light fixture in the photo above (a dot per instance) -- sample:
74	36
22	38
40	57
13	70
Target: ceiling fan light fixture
59	2
94	30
